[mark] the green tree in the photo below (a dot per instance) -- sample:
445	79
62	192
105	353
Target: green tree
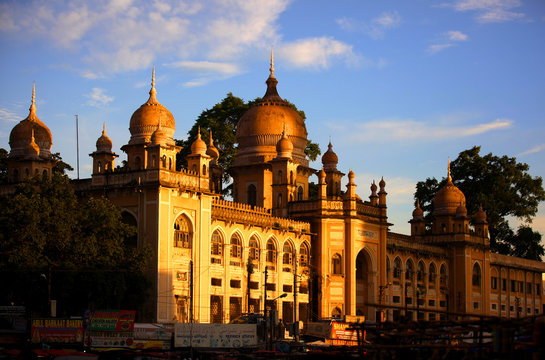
501	185
222	119
526	243
46	232
3	166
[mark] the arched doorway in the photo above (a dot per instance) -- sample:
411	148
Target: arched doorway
364	283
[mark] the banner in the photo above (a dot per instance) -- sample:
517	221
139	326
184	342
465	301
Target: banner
115	320
109	339
215	335
57	331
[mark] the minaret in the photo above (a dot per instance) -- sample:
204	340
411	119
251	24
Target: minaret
103	157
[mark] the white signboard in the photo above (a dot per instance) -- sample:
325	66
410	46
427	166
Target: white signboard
215	335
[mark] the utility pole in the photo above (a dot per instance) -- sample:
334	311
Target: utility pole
190	291
77	144
295	327
265	293
250	271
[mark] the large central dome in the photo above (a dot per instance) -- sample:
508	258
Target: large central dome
448	198
149	117
261	127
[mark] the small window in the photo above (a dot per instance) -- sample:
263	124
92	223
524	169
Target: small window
236	250
409	272
336	264
397	268
300	193
254	285
217	248
183	233
271	287
254	249
494	282
287	288
216	282
235	284
476	278
303	255
271	252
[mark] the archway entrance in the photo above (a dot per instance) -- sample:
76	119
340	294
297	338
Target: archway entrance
364	284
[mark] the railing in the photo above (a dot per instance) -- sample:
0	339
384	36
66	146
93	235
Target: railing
247	214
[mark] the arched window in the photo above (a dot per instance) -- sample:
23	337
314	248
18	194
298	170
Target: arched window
291	177
303	255
44	174
300	193
137	163
432	274
271	253
254	249
183	234
409	270
170	163
291	197
443	275
236	250
476	278
132	240
336	313
164	161
251	196
336	264
279	200
338	189
287	256
15	175
153	160
397	268
388	269
204	169
279	177
99	167
421	272
216	248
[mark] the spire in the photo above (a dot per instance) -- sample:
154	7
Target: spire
211	142
449	178
153	92
272	64
104	129
199	132
32	108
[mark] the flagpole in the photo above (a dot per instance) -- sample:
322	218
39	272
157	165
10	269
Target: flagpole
77	144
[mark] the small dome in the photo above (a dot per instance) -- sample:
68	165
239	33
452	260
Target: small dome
159	136
382	183
104	143
480	216
330	159
21	133
146	118
199	146
418	213
284	147
461	211
212	151
448	198
373	188
321	176
32	149
351	176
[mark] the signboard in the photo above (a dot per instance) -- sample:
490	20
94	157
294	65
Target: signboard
57	331
109	339
115	320
152	336
341	336
215	335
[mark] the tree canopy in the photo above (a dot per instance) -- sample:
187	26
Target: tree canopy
501	185
77	246
222	119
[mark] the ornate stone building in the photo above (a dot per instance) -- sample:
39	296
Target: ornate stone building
332	254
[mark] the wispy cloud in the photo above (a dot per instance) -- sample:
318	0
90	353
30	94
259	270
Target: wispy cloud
533	150
204	72
9	116
376	28
447	39
98	98
411	130
318	53
490	11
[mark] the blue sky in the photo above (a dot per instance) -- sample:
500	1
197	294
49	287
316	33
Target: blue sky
398	86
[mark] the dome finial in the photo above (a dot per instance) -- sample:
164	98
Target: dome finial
211	142
449	178
199	132
33	104
104	128
153	92
272	63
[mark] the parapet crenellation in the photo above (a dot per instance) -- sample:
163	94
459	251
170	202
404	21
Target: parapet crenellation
254	215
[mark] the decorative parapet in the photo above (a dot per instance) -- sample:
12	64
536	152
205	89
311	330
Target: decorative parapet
253	215
368	210
399	242
184	178
516	262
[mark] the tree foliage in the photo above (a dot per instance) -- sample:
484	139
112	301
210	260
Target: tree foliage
77	246
526	244
501	185
222	119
